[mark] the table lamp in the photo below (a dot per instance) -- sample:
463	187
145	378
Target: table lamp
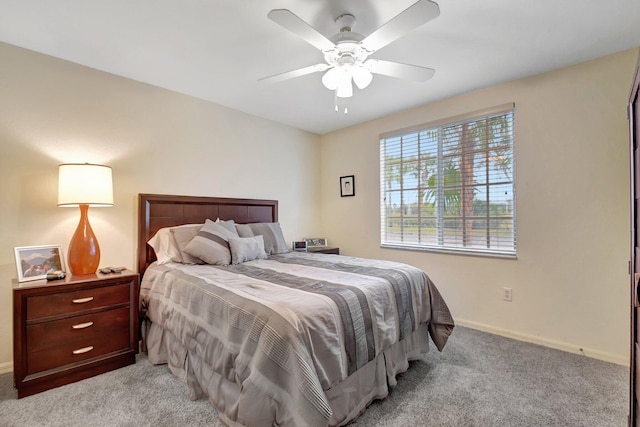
84	185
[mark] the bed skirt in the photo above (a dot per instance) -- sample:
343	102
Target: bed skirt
246	405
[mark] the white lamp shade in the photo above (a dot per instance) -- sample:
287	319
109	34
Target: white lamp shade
84	184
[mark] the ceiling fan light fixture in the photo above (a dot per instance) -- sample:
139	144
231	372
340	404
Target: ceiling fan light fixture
338	79
331	78
345	88
361	76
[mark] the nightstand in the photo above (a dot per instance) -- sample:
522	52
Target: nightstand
71	329
324	250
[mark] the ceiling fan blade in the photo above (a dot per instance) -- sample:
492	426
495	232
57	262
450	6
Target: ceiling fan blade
293	23
294	73
396	69
412	17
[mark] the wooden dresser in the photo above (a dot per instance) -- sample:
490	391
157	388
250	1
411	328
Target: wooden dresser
71	329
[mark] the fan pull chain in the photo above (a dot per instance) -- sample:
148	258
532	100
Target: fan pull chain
337	105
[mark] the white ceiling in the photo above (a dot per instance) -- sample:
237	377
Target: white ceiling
217	50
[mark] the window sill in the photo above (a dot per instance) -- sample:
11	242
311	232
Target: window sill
451	251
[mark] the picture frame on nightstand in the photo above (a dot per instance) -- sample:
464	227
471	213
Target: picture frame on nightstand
315	241
34	262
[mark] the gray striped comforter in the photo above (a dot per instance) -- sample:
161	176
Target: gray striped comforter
294	325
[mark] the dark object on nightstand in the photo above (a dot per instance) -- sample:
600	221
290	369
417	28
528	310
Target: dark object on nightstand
324	250
68	330
299	246
56	275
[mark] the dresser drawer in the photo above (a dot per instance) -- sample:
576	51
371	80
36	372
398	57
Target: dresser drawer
66	303
62	342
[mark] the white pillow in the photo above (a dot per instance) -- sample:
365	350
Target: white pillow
211	244
246	249
165	247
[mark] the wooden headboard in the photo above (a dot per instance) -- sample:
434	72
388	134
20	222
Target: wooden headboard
156	211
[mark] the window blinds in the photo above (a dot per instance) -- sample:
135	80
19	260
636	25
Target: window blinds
451	185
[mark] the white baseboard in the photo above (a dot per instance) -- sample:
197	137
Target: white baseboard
558	345
6	367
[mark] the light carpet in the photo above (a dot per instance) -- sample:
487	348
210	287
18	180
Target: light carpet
479	379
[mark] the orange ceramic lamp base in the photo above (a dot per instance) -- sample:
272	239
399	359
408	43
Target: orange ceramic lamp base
84	251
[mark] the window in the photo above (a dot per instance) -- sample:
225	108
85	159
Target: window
450	186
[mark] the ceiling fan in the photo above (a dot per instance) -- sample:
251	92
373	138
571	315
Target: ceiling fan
346	53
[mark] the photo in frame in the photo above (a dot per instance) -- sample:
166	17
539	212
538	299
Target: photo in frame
347	186
315	241
34	262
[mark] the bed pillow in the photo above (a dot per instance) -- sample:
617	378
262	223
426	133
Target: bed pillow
246	249
182	236
165	246
211	244
228	224
271	232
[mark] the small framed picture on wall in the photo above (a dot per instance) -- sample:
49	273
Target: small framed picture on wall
347	186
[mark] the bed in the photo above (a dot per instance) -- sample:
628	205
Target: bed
277	338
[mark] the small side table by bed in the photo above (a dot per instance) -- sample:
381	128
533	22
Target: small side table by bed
71	329
324	250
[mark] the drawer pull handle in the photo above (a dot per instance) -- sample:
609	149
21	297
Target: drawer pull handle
82	300
82	325
83	350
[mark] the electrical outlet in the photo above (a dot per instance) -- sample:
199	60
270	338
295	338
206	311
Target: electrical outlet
507	295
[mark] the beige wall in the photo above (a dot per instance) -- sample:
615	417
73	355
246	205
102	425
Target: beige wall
569	281
570	278
156	141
